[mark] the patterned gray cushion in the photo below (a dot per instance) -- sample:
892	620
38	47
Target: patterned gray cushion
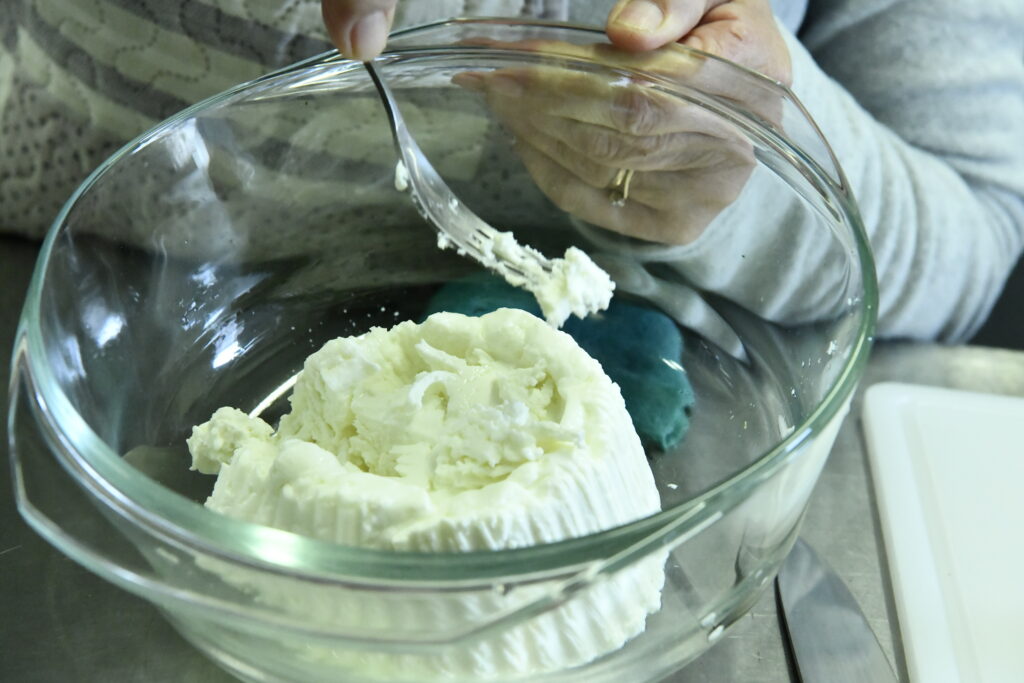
79	79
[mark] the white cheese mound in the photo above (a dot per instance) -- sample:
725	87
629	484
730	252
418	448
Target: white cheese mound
456	434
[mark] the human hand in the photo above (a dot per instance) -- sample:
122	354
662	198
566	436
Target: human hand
358	28
579	132
587	140
678	165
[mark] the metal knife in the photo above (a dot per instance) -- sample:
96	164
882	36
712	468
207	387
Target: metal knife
828	634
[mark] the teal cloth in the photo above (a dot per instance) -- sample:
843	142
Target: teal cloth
639	348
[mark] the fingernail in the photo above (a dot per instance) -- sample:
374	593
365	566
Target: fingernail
369	36
640	15
506	85
470	80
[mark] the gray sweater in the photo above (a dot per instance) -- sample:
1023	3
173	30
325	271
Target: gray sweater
922	101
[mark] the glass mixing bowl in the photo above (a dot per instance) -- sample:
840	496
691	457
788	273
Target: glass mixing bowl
203	262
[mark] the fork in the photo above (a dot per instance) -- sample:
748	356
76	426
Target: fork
520	265
455	223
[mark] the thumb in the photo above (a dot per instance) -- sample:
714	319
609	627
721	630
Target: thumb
641	25
745	38
358	28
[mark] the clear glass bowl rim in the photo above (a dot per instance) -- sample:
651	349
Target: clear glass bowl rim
186	524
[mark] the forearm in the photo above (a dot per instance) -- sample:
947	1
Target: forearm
945	229
940	183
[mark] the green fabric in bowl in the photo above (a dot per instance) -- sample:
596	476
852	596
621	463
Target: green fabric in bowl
639	348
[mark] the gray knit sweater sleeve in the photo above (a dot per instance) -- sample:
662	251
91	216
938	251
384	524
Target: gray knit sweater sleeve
923	102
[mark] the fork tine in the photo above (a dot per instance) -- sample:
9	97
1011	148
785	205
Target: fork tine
573	285
448	216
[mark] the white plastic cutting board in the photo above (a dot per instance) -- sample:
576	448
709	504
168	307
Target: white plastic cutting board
948	468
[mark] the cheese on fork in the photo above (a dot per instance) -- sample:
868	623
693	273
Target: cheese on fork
570	285
574	285
457	434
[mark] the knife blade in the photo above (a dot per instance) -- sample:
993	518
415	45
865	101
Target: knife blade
828	634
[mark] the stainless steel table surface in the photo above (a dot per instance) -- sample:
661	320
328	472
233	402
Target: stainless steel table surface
60	623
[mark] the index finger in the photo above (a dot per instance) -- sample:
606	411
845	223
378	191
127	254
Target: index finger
670	61
596	99
626	102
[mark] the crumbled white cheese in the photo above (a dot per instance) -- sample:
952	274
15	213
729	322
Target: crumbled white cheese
401	176
574	284
457	434
420	419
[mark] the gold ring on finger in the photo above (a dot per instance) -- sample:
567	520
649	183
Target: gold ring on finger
618	191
